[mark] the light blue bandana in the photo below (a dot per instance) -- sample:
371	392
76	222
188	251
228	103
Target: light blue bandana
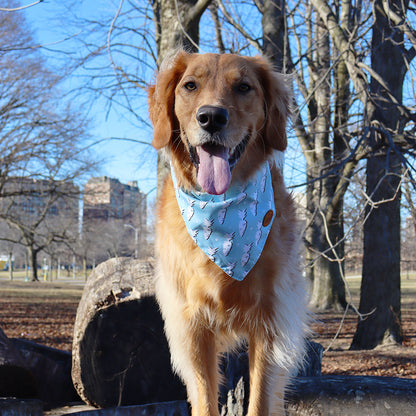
232	228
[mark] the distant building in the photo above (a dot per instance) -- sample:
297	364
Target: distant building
116	211
107	198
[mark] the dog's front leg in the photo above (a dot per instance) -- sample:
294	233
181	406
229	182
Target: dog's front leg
204	360
267	380
193	349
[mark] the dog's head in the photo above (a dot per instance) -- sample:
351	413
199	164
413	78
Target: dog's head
220	116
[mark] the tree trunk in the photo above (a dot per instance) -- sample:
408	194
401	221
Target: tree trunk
176	27
51	269
84	267
380	287
33	259
340	149
328	289
324	274
120	353
274	34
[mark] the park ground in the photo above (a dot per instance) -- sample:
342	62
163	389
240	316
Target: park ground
44	312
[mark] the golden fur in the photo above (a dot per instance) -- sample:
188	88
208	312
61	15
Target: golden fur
205	311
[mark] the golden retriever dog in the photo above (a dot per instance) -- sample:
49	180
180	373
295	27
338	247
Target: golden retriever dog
222	122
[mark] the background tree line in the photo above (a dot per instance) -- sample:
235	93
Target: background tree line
353	75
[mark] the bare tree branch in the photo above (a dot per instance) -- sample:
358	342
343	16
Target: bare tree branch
15	9
254	42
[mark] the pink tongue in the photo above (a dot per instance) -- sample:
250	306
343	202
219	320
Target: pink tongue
214	175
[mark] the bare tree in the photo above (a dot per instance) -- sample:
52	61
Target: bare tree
380	288
9	247
42	141
40	213
384	124
322	156
333	136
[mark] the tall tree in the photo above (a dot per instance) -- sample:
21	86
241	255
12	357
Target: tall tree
325	141
380	287
328	289
41	139
176	26
274	26
384	122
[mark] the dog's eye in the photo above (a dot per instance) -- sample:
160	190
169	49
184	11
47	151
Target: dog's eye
190	86
244	87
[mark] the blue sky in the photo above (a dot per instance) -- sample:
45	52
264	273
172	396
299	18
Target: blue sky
124	160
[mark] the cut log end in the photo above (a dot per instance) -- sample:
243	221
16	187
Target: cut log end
120	353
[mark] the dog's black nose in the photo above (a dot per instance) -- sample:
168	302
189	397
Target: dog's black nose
211	118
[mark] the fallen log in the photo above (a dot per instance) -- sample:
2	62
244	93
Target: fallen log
20	407
16	380
177	408
120	353
352	396
308	396
51	368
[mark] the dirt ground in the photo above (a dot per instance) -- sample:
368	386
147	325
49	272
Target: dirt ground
45	312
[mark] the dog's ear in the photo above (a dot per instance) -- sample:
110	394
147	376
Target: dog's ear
161	115
161	99
278	99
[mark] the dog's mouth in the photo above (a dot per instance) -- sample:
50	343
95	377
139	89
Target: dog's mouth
214	164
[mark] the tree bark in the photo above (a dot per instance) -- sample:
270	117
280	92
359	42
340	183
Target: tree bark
328	289
176	27
274	32
380	287
33	259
